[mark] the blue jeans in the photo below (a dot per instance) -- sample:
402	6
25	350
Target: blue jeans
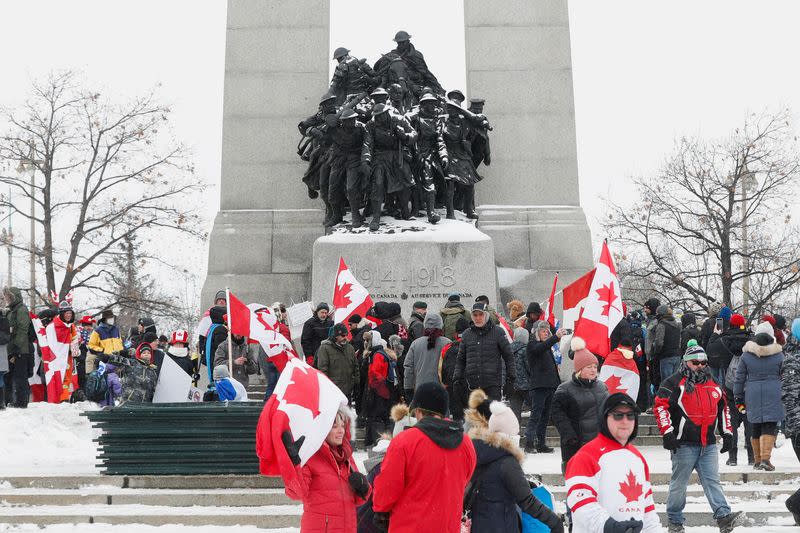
541	403
704	459
668	366
272	375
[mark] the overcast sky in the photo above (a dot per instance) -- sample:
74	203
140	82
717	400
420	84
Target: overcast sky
644	72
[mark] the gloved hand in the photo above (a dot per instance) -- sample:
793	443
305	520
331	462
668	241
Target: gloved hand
358	482
556	526
381	521
408	394
671	442
292	446
740	405
727	444
628	526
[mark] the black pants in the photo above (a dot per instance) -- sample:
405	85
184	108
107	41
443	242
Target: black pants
764	428
21	371
80	365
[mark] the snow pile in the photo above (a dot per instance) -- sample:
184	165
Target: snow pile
419	230
138	528
47	439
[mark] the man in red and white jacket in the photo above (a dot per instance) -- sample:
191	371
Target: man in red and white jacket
689	407
608	480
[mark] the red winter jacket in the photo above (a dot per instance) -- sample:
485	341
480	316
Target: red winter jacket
329	504
423	477
692	416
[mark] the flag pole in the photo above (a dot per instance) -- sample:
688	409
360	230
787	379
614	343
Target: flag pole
230	335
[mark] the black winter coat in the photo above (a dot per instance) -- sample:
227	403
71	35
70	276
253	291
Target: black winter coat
481	357
623	326
314	332
721	349
667	338
416	327
502	486
576	406
688	333
544	372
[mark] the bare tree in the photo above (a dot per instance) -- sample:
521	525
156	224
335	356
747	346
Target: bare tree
713	224
106	173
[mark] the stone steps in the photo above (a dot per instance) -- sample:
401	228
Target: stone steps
260	501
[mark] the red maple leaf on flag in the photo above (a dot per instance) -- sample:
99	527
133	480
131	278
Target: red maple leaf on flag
607	295
613	383
303	390
341	299
630	488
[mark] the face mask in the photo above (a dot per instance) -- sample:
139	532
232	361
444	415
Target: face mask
179	351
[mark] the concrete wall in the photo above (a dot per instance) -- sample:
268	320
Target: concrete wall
518	59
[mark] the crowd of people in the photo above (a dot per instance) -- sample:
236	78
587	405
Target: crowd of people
451	386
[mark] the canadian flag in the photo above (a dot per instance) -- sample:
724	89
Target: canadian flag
256	322
603	308
60	379
574	296
506	328
349	296
279	353
620	373
305	403
549	310
37	386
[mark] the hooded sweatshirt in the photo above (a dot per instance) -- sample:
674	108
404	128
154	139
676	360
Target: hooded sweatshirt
423	477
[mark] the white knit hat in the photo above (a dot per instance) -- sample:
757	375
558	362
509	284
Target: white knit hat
764	327
503	419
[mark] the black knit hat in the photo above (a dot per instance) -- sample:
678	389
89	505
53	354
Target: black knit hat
534	308
354	319
338	329
321	306
150	336
462	324
430	397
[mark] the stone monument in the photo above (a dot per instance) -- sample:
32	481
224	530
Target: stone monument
268	241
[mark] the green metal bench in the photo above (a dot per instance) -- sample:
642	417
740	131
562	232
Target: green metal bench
177	438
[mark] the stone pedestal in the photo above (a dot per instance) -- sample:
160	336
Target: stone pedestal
276	69
415	262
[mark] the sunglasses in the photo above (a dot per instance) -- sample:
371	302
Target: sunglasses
699	363
619	416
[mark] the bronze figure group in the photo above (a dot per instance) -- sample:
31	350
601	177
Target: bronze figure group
387	138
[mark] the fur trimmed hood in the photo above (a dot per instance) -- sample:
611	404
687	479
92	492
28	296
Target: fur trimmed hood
762	351
497	440
478	401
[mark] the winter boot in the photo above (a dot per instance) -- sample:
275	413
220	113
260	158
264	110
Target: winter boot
328	214
732	457
675	528
469	202
767	443
337	216
448	199
544	448
433	216
793	504
376	216
756	453
354	200
727	523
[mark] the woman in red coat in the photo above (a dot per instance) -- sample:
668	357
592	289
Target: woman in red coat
329	484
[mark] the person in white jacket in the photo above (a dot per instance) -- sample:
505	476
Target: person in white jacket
608	480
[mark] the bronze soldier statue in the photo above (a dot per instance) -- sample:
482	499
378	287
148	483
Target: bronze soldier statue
351	76
416	70
479	137
385	158
456	96
346	141
431	157
460	170
313	146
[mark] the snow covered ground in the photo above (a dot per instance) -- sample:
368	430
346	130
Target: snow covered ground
139	528
47	439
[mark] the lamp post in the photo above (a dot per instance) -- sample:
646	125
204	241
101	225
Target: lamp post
25	164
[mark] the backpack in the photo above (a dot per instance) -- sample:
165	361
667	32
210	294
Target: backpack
96	386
